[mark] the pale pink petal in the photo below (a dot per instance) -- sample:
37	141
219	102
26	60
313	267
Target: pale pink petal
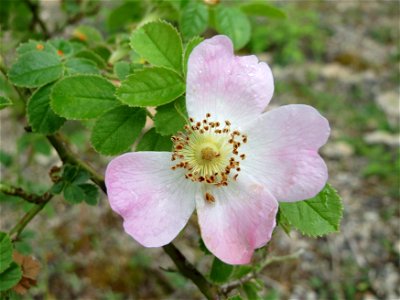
240	220
282	152
154	201
229	87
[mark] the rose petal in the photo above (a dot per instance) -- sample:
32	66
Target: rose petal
240	220
228	87
282	152
154	201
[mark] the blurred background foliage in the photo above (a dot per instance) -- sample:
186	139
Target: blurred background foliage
340	56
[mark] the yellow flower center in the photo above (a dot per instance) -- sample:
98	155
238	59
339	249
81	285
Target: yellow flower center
208	151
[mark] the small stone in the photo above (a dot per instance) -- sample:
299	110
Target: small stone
389	102
338	150
383	137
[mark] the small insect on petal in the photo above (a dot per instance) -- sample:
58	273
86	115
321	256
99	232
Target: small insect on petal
209	198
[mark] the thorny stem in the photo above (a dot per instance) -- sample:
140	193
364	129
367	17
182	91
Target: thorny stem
225	289
67	156
190	272
16	191
183	265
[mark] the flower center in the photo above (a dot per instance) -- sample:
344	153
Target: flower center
209	151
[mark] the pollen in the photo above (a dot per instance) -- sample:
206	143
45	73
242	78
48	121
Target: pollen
209	152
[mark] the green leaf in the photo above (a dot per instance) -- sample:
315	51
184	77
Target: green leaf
251	290
82	97
10	277
74	174
168	120
58	187
241	271
316	216
92	56
80	66
152	141
91	193
283	222
4	102
188	50
234	23
6	249
122	69
63	47
74	194
116	130
40	116
203	247
38	46
220	271
159	43
151	87
235	297
124	14
87	34
263	10
194	19
34	69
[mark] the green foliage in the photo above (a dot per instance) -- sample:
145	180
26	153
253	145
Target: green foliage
5	251
151	87
220	271
188	50
91	193
35	68
116	130
251	290
160	44
316	216
10	277
4	102
80	66
92	56
36	46
73	194
152	141
124	14
194	19
262	9
87	34
122	69
232	22
82	97
40	116
168	120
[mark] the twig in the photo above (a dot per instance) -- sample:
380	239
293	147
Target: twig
16	191
190	272
184	266
34	8
261	266
67	156
19	227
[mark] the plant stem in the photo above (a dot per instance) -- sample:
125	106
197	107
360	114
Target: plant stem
184	266
67	156
261	266
16	191
17	229
190	272
34	8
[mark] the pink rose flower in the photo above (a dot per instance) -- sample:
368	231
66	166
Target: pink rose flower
232	163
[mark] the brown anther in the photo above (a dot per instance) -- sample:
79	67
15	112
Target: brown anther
201	179
235	177
217	124
206	127
238	169
236	132
230	141
198	124
191	120
227	123
209	198
243	156
173	168
208	115
244	140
